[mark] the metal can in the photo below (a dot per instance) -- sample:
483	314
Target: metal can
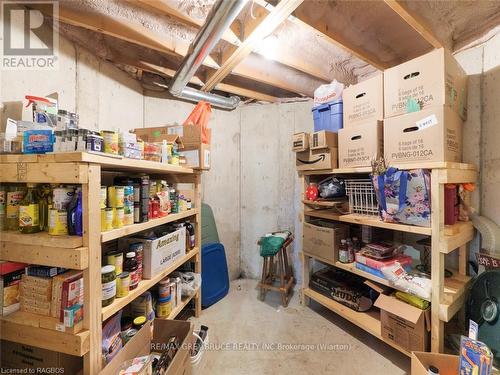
122	284
128	195
128	219
106	219
104	196
116	259
61	197
118	217
164	288
58	222
116	196
137	212
137	193
110	141
164	307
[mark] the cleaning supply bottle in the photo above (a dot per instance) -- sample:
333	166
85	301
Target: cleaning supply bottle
15	195
29	211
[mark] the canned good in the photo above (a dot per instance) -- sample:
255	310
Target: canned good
58	222
94	142
106	219
116	259
122	284
61	197
164	307
164	288
118	217
128	195
116	196
137	193
137	213
110	141
128	218
155	208
104	196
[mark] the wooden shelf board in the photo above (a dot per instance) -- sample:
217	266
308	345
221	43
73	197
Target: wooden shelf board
464	233
369	321
374	221
325	203
31	329
42	239
136	228
454	295
323	214
77	259
144	285
117	163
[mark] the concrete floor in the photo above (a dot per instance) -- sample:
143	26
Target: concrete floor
241	325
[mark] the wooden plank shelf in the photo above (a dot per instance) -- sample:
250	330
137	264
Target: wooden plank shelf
323	214
42	239
136	228
463	233
77	258
374	221
325	203
368	321
144	285
25	328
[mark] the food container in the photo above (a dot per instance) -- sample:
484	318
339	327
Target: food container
110	141
118	217
106	219
116	259
104	196
164	288
108	281
122	284
61	197
95	142
58	222
116	196
152	151
139	322
164	307
128	219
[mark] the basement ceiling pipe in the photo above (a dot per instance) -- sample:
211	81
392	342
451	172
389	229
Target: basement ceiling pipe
223	13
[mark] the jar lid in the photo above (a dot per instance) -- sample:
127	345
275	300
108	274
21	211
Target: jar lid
140	320
130	254
107	269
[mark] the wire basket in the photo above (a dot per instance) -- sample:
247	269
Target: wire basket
362	198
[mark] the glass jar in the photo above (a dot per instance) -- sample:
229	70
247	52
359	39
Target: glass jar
130	266
139	322
29	211
15	195
108	281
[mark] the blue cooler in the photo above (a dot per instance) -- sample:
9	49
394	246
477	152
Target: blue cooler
329	116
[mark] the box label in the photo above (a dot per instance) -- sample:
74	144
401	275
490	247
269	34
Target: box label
427	122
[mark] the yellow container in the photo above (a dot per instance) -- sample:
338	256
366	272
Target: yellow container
106	219
164	307
110	142
58	222
122	284
118	217
116	196
104	196
116	259
128	219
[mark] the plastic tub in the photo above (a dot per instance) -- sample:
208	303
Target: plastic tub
328	116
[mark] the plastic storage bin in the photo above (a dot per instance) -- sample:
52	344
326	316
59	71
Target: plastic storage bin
214	274
329	116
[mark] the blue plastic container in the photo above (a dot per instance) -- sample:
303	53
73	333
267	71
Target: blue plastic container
329	116
214	274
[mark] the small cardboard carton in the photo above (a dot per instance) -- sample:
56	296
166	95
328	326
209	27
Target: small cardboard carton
323	139
433	134
161	252
403	324
198	156
300	142
435	78
158	135
447	364
360	144
323	241
191	134
317	159
364	102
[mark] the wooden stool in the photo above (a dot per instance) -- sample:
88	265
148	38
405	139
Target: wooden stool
285	273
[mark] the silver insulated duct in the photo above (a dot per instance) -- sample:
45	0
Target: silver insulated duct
223	13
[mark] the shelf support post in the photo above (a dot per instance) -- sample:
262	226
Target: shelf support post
197	258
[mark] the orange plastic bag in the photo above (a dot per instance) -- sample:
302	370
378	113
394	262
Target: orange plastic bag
200	116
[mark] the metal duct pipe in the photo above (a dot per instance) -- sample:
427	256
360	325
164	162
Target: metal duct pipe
223	13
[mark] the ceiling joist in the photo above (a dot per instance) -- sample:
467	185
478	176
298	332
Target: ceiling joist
275	17
413	21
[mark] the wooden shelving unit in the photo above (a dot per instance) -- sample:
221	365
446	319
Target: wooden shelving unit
448	294
84	253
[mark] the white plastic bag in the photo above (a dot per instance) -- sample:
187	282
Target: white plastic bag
190	282
328	93
416	285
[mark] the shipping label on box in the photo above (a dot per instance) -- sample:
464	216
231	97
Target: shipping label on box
162	252
431	135
198	157
360	144
323	139
435	78
317	159
364	101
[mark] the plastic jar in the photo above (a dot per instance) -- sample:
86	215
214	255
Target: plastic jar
130	266
122	284
115	258
108	281
139	322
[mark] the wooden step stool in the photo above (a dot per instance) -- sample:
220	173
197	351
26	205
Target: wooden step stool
287	280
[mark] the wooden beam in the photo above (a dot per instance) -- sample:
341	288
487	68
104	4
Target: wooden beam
414	21
169	7
279	14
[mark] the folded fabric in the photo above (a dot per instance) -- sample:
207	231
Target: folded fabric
271	243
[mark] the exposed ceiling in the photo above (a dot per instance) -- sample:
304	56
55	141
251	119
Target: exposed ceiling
278	50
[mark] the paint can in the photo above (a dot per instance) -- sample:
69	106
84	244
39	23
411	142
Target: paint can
58	222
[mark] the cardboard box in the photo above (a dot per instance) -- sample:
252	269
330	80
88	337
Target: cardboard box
162	252
20	356
447	364
198	156
158	134
326	158
323	241
360	144
432	135
323	139
435	78
403	324
300	142
364	101
190	134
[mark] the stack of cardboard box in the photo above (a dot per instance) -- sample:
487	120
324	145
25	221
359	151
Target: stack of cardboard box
316	151
360	141
36	294
434	134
